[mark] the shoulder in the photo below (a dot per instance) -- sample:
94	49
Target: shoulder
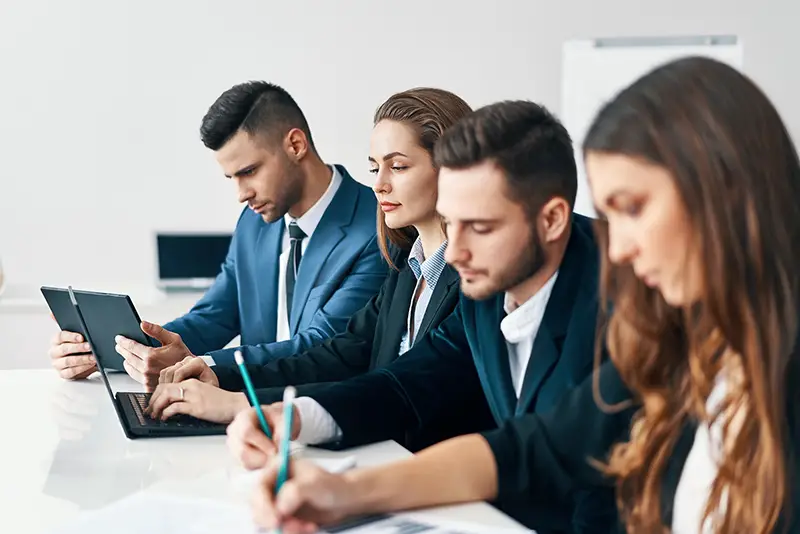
360	200
251	222
584	228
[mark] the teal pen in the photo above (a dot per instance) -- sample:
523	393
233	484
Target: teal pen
288	412
251	392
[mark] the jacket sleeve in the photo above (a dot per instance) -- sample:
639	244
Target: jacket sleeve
362	283
548	455
214	320
435	383
339	358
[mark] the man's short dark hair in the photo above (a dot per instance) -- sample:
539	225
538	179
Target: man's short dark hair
526	142
258	108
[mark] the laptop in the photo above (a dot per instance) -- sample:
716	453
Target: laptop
130	406
190	261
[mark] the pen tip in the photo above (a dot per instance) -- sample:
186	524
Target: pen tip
238	357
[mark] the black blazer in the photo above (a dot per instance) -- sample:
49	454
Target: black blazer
371	340
458	380
541	455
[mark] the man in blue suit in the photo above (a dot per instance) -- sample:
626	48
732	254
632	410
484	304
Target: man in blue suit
304	256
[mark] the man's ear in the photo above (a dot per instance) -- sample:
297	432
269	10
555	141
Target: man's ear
555	218
296	143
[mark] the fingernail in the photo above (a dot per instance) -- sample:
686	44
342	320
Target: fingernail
86	346
117	339
78	338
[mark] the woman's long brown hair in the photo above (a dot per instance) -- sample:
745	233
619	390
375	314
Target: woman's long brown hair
429	112
738	175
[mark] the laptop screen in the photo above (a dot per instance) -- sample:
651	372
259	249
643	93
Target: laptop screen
191	256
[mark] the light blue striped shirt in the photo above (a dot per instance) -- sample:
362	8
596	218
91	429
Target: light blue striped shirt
428	269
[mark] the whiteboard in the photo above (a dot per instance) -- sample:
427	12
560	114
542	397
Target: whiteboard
595	70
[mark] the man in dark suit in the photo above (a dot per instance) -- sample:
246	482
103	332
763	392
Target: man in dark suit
303	258
523	333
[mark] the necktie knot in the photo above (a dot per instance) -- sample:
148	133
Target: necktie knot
295	232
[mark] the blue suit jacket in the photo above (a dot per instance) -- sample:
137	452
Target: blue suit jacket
457	380
340	271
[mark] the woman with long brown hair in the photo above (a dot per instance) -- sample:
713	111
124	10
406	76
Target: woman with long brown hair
695	417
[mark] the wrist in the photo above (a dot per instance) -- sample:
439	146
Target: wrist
368	491
238	404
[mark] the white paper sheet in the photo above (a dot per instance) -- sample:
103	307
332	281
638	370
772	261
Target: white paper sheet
150	513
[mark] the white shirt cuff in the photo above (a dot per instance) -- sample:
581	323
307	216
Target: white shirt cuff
209	360
316	424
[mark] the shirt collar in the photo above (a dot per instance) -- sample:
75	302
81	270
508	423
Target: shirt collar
309	221
525	319
429	268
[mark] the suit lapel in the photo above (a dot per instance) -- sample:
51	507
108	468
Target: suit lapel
326	237
492	358
397	316
563	300
268	250
544	357
448	277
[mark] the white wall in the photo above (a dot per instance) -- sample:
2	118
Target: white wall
100	100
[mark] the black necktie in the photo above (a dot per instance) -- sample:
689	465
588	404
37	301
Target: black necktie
296	236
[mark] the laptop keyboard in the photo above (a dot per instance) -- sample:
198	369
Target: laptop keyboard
139	401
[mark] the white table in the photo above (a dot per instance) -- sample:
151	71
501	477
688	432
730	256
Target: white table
62	451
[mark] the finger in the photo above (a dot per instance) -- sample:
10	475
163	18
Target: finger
165	376
133	373
263	510
68	362
274	416
65	336
248	456
184	407
252	458
81	371
254	435
289	499
159	400
164	336
139	350
65	349
191	369
132	359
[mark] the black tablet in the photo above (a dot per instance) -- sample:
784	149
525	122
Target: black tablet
107	315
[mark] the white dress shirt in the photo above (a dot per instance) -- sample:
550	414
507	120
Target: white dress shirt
317	425
308	222
427	271
700	470
520	328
